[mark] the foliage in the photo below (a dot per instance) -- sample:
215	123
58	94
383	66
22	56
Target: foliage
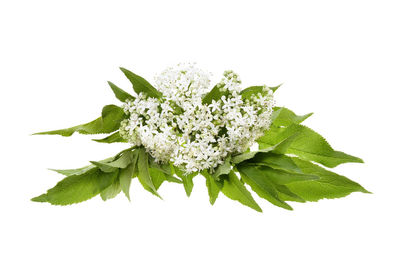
284	168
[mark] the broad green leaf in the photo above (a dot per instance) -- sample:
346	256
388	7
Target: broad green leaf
213	186
276	161
260	184
187	180
329	185
234	189
285	117
144	174
307	144
279	148
120	93
78	188
109	122
223	169
113	138
141	85
112	191
214	94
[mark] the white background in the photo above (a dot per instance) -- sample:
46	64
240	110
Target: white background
338	59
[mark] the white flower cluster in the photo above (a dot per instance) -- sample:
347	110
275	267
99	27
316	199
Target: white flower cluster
194	136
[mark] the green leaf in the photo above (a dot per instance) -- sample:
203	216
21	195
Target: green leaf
213	186
157	177
307	144
258	182
283	177
254	90
187	180
214	94
223	169
250	91
234	189
77	171
109	122
279	148
120	93
144	174
285	194
126	174
113	138
276	87
329	185
276	161
285	117
112	191
125	178
103	166
141	85
78	188
122	160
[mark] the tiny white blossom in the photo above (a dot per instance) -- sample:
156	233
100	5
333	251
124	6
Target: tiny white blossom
197	136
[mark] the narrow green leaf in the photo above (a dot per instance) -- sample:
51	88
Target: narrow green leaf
78	188
77	171
223	169
141	85
120	93
258	182
234	189
285	194
103	166
307	145
122	160
112	191
329	185
126	174
283	177
285	117
109	122
157	177
144	174
279	148
113	138
276	161
187	180
213	186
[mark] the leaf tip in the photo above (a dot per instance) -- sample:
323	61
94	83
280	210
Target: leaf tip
41	198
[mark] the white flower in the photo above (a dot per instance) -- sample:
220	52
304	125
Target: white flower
203	135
